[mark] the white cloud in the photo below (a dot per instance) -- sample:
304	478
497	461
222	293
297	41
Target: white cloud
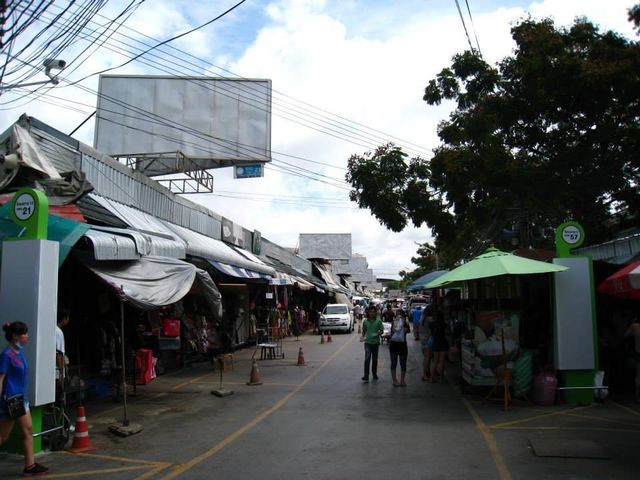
363	60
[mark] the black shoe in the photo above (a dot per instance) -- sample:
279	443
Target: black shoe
375	377
365	379
35	470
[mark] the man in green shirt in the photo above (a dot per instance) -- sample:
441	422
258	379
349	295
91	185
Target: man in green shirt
371	330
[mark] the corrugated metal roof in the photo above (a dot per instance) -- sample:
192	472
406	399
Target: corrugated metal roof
618	251
200	245
163	241
111	246
117	182
96	213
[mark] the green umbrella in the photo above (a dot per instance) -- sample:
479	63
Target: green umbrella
491	263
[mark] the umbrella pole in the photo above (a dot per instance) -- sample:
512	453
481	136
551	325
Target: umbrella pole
125	420
126	428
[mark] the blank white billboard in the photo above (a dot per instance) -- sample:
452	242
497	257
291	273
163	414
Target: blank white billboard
329	246
215	121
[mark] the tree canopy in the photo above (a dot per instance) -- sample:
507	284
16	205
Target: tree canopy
550	133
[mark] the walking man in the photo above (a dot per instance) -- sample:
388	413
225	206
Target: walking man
371	331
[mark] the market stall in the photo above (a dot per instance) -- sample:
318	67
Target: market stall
491	349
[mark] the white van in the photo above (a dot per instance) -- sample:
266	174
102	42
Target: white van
336	317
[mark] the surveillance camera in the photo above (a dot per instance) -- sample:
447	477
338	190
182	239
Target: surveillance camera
54	63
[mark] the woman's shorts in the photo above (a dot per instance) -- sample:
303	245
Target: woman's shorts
398	348
4	416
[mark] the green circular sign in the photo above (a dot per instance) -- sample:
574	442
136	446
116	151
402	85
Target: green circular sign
29	209
24	206
571	234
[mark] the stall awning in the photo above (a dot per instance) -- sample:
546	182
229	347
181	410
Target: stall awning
287	275
162	241
69	211
199	245
238	272
329	279
151	282
111	246
64	231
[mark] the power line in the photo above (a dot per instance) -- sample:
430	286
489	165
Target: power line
164	42
152	118
464	25
473	27
292	113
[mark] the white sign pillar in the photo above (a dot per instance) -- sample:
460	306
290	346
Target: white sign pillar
29	293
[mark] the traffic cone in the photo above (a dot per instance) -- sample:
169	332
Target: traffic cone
81	442
321	336
300	358
329	336
254	377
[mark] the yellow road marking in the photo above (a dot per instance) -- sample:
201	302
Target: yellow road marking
180	385
109	457
153	472
245	383
97	472
589	429
503	471
179	469
151	397
600	419
535	417
627	409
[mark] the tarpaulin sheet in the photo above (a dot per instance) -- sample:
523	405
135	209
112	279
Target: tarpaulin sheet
149	282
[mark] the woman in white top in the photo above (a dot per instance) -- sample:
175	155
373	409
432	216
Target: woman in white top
398	347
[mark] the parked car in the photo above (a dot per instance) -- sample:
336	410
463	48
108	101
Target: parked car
336	317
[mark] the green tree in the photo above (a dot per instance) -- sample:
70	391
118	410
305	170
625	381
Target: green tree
634	16
550	133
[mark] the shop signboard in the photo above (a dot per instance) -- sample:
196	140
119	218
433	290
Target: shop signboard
256	243
254	170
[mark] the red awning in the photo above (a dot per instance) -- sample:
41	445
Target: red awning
71	211
620	284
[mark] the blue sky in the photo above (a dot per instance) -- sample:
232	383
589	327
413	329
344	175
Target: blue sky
364	61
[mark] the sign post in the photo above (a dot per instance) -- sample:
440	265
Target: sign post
29	293
575	330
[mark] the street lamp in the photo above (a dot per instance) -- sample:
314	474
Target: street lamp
432	250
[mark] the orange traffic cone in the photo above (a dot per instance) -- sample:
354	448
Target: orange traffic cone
321	336
329	337
300	358
81	441
254	377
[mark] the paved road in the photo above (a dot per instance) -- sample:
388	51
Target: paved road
320	421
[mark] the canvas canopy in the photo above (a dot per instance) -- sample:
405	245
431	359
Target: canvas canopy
152	282
492	263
